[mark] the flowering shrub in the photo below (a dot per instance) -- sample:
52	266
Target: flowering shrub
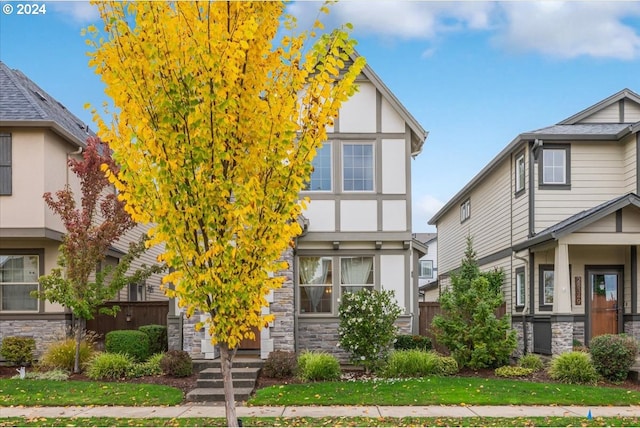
367	326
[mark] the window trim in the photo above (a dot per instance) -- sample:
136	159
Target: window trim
299	285
330	145
465	210
520	294
39	252
544	306
420	273
520	182
373	164
567	168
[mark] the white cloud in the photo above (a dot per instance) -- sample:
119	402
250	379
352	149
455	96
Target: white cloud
571	29
601	29
80	11
424	208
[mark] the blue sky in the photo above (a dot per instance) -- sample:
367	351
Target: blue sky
474	74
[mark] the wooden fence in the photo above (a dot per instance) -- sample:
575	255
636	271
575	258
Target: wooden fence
130	316
428	310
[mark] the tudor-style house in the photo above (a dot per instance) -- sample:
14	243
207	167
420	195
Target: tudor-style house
357	228
558	210
37	137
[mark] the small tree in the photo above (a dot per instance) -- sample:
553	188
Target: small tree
367	325
468	326
90	230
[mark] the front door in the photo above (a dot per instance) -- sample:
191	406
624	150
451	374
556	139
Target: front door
605	290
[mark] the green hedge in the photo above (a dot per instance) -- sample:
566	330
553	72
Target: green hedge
130	342
157	337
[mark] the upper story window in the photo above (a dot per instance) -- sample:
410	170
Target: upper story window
322	171
520	286
426	268
465	210
555	168
5	164
357	167
520	173
19	275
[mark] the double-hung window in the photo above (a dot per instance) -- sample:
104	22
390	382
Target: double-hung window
555	168
322	171
356	273
465	210
520	286
358	167
315	276
18	278
520	173
426	269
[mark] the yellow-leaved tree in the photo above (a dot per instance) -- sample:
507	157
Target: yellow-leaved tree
219	108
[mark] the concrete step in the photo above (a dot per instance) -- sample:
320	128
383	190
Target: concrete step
236	373
219	383
217	394
238	362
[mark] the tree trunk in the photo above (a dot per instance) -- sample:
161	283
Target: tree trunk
226	360
79	326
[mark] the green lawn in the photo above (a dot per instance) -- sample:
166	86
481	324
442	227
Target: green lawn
318	422
441	391
25	392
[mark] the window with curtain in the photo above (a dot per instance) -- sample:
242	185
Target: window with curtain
546	286
18	278
520	286
356	273
321	175
315	281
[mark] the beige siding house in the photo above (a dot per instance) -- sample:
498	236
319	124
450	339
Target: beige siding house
37	137
357	228
558	210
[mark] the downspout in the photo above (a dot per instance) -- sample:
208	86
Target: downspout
77	152
526	306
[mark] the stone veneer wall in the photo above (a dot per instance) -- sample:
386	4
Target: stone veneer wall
45	332
561	337
323	336
174	331
280	335
192	339
578	332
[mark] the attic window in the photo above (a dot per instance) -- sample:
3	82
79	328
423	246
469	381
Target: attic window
39	95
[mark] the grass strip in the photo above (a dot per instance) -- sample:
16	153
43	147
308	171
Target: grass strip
441	391
26	392
327	421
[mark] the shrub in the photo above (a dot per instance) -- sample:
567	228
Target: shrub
367	328
56	374
157	337
62	354
613	355
531	361
18	349
573	367
447	366
107	365
408	341
280	364
411	363
318	366
513	371
151	367
176	363
131	342
468	326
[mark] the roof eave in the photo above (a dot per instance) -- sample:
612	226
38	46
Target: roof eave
49	124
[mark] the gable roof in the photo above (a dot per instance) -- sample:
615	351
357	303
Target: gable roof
580	220
24	104
568	129
618	96
418	134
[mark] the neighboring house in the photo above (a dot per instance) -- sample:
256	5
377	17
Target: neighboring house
558	210
428	267
357	228
37	137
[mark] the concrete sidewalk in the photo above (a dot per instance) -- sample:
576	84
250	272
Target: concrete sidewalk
217	411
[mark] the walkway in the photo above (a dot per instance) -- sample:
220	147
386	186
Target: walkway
217	411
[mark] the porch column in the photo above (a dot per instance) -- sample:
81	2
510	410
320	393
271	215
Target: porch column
561	326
